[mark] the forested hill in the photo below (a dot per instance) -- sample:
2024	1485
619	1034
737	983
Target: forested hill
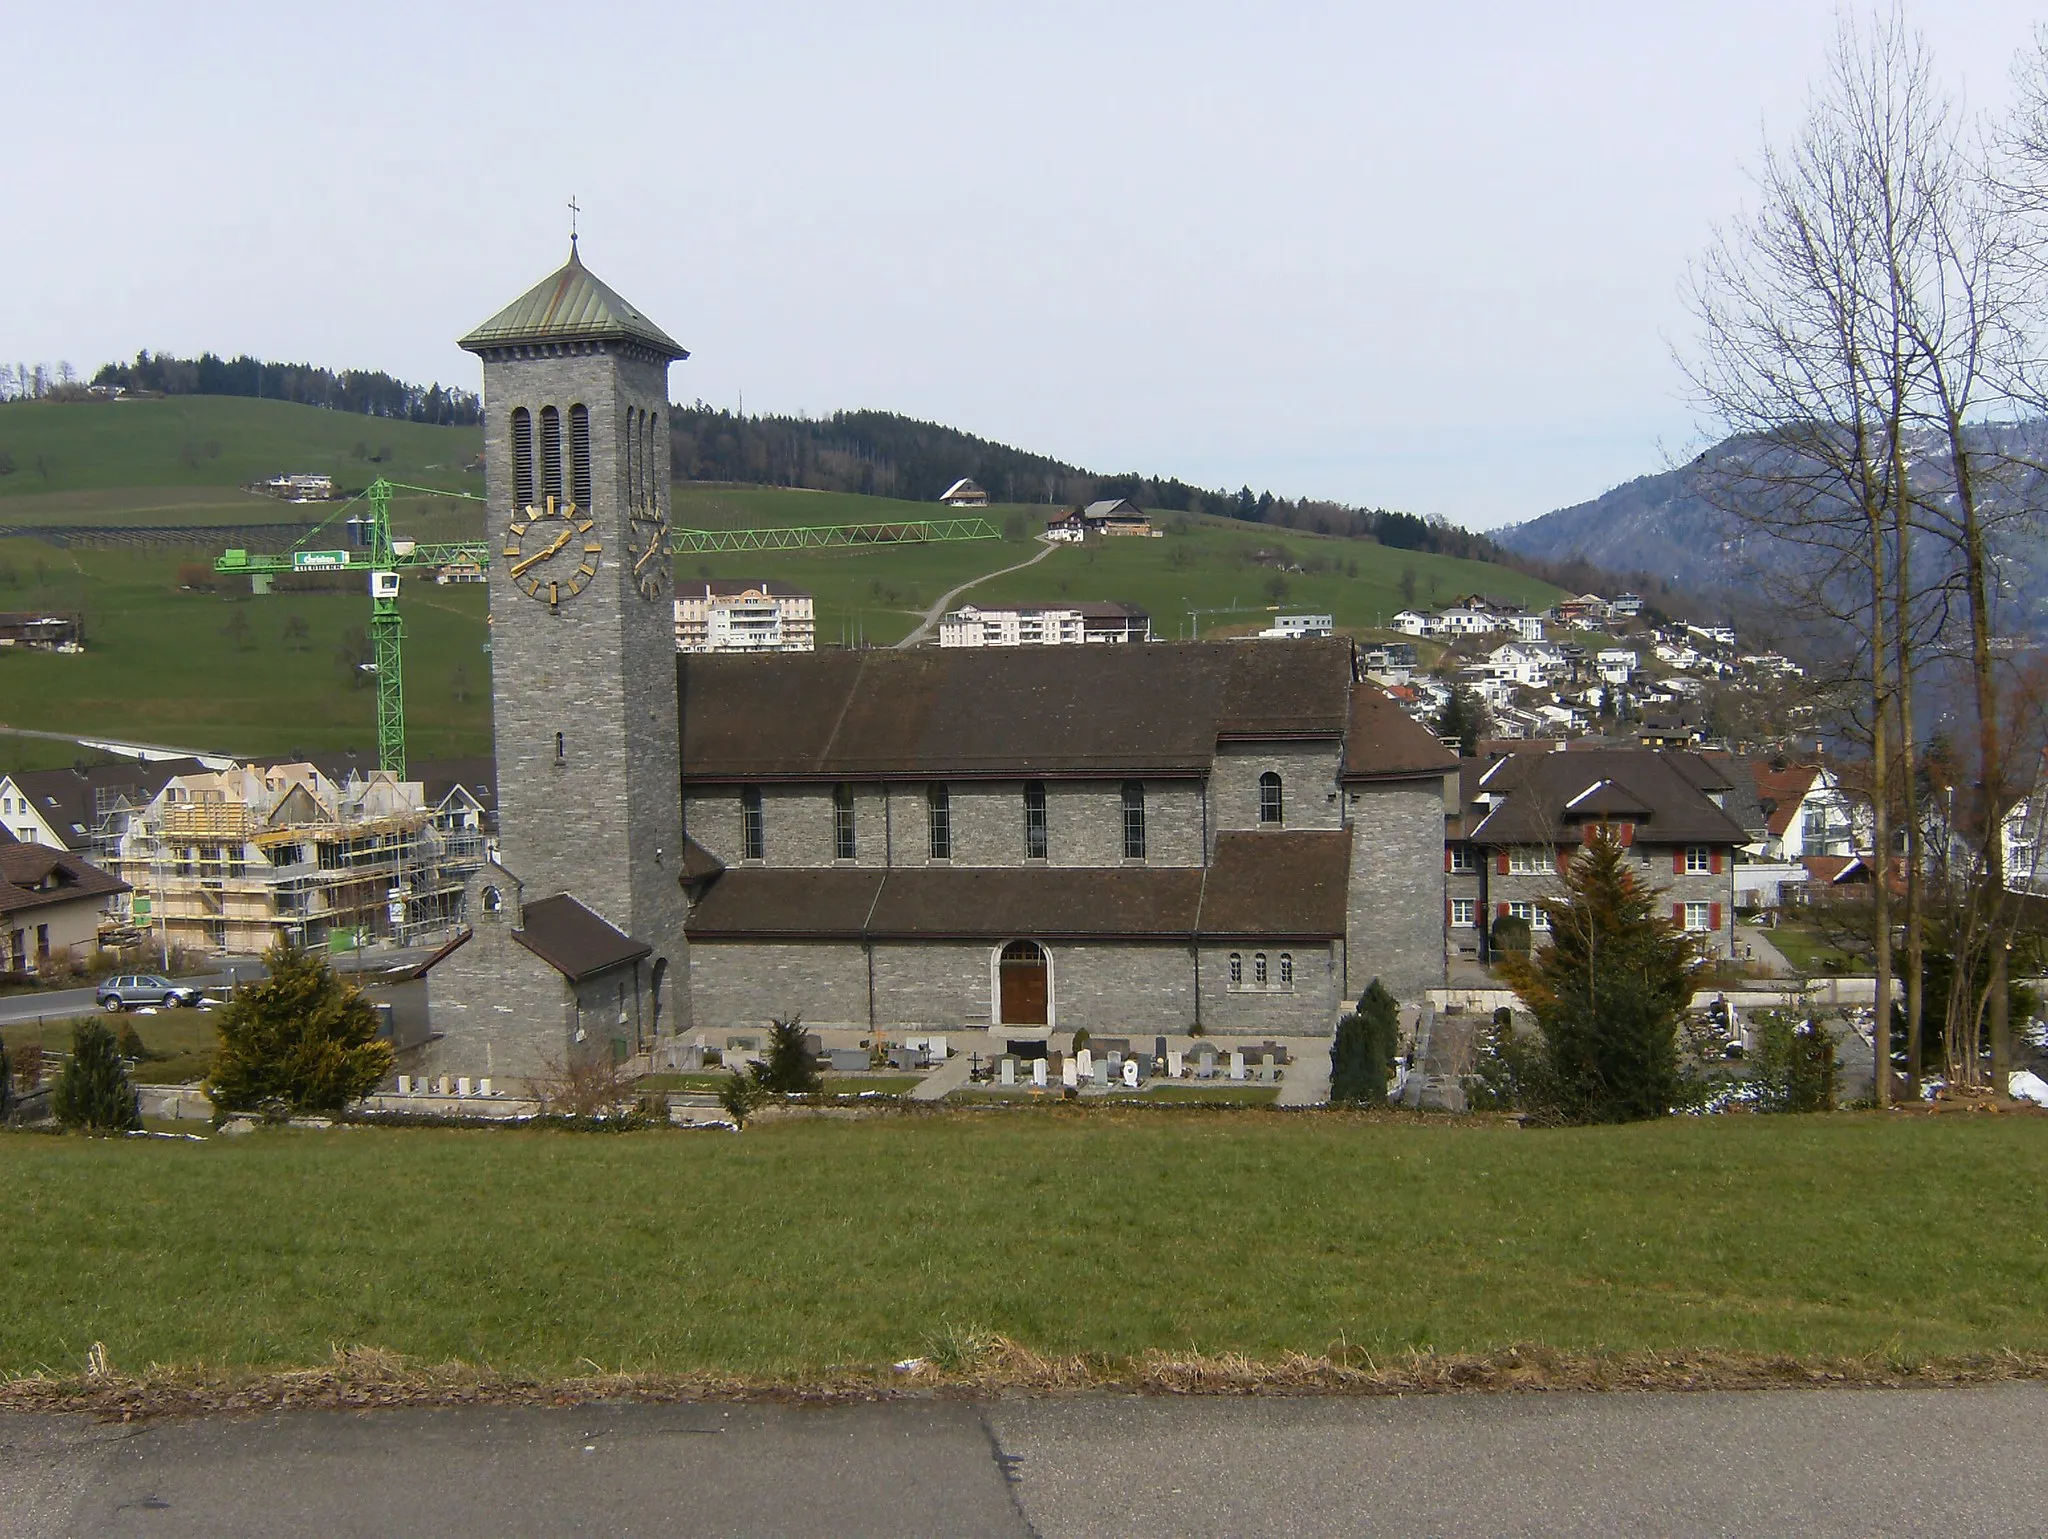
367	392
879	453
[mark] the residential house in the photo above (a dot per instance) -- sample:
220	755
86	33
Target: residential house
751	615
1139	839
1067	529
1116	515
53	906
964	493
1617	665
1627	607
1413	622
40	631
1045	625
1530	665
1806	811
1522	817
84	809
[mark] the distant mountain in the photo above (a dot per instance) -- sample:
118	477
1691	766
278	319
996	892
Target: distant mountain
1675	528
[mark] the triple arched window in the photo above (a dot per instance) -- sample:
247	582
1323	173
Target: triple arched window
1263	974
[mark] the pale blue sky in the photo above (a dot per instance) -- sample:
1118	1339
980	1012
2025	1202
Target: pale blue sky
1424	257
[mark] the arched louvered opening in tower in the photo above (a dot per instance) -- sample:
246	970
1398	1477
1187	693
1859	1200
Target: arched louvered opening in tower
632	437
522	457
579	455
551	453
653	458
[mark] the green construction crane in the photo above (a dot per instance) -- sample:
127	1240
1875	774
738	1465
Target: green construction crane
375	553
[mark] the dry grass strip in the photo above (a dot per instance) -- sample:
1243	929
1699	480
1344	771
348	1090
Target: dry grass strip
362	1378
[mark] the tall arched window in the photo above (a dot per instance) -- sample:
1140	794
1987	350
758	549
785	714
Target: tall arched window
1035	836
1259	968
1271	808
843	845
1236	969
1134	820
550	453
632	448
579	455
939	804
1286	969
753	830
522	458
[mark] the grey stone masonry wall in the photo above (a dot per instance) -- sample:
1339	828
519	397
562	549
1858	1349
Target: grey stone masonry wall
749	983
1395	919
1308	783
1654	864
1309	1008
1084	823
601	818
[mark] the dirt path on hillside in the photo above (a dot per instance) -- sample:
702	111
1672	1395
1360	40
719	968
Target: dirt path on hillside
931	615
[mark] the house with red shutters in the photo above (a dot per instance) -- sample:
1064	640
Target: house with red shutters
1521	816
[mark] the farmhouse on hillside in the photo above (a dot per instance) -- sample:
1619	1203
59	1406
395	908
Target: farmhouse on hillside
964	493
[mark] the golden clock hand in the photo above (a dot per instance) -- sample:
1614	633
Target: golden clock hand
653	549
519	567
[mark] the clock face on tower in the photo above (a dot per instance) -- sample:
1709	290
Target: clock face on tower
554	551
647	548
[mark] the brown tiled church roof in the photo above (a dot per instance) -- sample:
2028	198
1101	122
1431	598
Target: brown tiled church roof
1040	712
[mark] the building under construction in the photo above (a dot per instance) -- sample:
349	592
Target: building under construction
233	860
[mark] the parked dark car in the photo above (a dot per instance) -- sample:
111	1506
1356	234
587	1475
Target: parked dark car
132	989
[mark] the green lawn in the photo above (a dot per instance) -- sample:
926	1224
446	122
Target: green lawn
165	665
800	1246
1808	951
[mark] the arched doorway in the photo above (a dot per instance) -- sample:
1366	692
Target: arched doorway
1023	978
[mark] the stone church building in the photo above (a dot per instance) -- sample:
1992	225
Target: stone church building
1151	838
1234	837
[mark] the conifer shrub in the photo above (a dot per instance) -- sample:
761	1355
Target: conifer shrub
1793	1064
791	1069
1608	994
1362	1056
301	1041
94	1092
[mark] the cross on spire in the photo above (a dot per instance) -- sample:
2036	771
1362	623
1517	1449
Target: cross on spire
573	212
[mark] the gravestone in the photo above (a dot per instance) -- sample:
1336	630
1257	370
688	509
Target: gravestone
1173	1063
1084	1066
1006	1070
937	1048
1070	1073
1130	1073
405	1084
1236	1064
849	1060
1158	1048
1038	1073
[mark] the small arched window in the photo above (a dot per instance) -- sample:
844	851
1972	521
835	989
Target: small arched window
579	455
1286	969
1259	968
551	453
1236	969
493	901
522	458
1271	807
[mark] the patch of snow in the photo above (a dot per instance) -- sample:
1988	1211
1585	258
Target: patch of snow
2026	1085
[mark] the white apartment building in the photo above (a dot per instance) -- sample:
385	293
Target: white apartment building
1617	665
1294	627
728	615
1044	625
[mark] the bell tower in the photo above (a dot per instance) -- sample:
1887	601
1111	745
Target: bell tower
583	656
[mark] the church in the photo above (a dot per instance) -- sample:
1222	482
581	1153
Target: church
1231	838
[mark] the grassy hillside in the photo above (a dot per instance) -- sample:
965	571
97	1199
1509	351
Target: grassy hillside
214	441
213	671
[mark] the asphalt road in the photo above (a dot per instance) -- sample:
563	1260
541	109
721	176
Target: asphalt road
1821	1463
62	1004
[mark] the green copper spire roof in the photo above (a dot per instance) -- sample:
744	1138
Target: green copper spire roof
572	305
